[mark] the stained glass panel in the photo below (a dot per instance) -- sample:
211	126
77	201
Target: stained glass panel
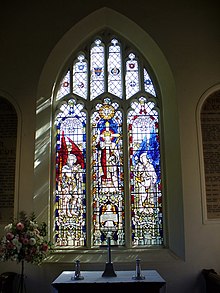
132	76
145	174
64	87
80	77
70	207
148	85
114	69
97	69
107	174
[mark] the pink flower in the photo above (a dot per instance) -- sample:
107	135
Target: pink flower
9	245
9	236
20	226
33	250
44	247
25	241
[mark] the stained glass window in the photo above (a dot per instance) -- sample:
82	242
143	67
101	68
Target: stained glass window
107	173
108	161
148	85
97	69
145	173
80	76
115	69
70	202
64	87
132	76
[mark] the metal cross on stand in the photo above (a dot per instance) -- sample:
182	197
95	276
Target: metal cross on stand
109	269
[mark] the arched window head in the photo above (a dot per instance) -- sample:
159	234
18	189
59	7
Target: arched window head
108	160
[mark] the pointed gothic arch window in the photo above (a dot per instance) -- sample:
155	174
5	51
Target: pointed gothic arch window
108	149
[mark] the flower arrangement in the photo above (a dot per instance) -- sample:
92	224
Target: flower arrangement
24	240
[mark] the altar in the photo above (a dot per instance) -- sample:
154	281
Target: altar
93	280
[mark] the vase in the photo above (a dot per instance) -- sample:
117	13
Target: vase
21	283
